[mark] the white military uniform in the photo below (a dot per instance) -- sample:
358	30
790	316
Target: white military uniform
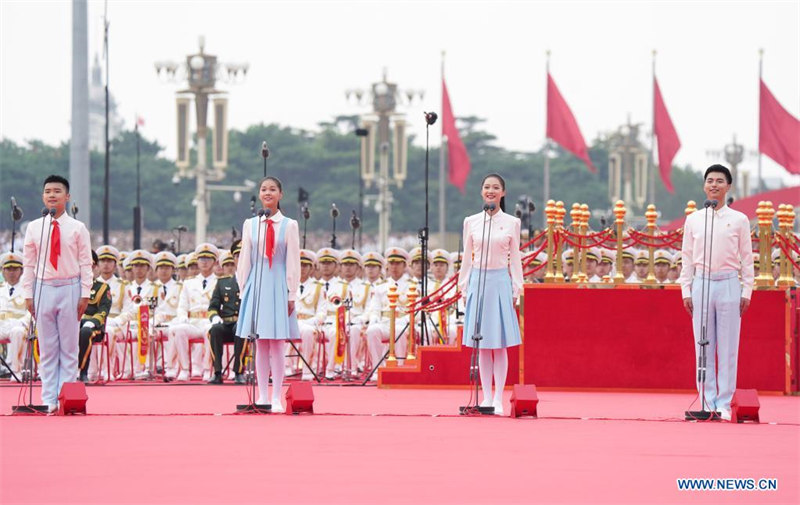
192	322
309	316
166	310
136	295
333	289
15	321
378	329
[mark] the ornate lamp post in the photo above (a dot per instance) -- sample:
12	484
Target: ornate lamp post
201	72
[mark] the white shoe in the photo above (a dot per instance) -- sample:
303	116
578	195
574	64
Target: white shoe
183	376
498	408
486	403
277	407
207	376
724	414
262	401
53	407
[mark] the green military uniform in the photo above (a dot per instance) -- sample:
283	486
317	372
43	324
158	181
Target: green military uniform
96	313
225	304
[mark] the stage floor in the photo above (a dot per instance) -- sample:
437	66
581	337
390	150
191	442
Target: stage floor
176	444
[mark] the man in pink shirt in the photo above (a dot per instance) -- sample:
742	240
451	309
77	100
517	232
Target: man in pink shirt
721	268
56	281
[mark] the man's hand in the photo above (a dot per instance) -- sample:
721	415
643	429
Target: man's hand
688	305
29	305
744	303
291	308
82	304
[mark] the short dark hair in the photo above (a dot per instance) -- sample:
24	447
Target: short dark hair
57	179
720	169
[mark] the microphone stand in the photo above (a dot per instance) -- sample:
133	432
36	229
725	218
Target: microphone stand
385	355
265	155
474	408
705	300
430	118
252	337
27	375
306	216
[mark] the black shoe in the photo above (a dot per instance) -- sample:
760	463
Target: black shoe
217	379
239	379
84	377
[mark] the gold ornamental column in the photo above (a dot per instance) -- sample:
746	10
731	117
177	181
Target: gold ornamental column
550	212
560	213
651	215
391	361
583	278
411	357
619	221
785	223
765	213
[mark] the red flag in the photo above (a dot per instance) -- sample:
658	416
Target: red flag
562	127
779	132
456	151
668	141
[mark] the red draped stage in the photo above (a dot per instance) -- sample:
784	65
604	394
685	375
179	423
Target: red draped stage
625	337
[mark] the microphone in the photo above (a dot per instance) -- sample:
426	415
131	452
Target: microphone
45	211
710	203
182	228
430	117
264	150
52	211
74	210
531	206
355	222
16	212
267	212
334	211
489	206
306	213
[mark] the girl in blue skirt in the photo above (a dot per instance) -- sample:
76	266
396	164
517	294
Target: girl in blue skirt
503	281
268	276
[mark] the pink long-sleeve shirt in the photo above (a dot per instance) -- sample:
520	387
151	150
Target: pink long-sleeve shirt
503	248
731	247
75	259
292	237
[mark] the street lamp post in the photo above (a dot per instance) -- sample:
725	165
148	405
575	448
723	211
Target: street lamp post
387	129
201	71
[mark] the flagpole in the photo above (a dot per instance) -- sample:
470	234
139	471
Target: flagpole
546	182
442	209
760	80
652	181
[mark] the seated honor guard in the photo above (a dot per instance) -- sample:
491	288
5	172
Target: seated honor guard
181	267
335	290
169	291
379	310
223	312
537	277
15	319
641	265
608	264
192	321
440	319
192	269
628	265
357	318
661	265
109	259
592	261
373	277
567	265
93	322
309	302
139	294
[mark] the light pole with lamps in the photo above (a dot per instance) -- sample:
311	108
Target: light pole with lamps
202	71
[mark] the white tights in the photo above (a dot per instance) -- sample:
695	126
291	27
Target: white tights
493	362
270	355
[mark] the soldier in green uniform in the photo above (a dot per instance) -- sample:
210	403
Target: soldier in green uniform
93	322
223	311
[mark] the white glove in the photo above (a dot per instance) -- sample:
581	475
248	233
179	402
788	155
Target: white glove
88	324
216	320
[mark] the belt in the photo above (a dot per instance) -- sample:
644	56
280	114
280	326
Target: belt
303	317
168	318
231	319
386	313
11	315
198	314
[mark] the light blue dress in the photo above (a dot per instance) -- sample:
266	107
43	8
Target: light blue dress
266	291
499	324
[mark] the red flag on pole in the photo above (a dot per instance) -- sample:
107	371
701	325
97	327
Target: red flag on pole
779	132
668	141
562	127
456	151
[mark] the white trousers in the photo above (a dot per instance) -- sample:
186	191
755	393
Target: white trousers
724	293
15	330
378	339
57	326
201	354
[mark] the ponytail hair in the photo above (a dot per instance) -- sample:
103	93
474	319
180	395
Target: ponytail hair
502	184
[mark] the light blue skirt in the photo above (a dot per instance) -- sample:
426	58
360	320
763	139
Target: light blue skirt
499	323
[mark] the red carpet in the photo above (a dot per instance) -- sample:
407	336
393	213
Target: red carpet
170	444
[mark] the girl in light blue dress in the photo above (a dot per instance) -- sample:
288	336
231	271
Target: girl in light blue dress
269	274
494	304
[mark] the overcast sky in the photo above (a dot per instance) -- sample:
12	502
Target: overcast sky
304	55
